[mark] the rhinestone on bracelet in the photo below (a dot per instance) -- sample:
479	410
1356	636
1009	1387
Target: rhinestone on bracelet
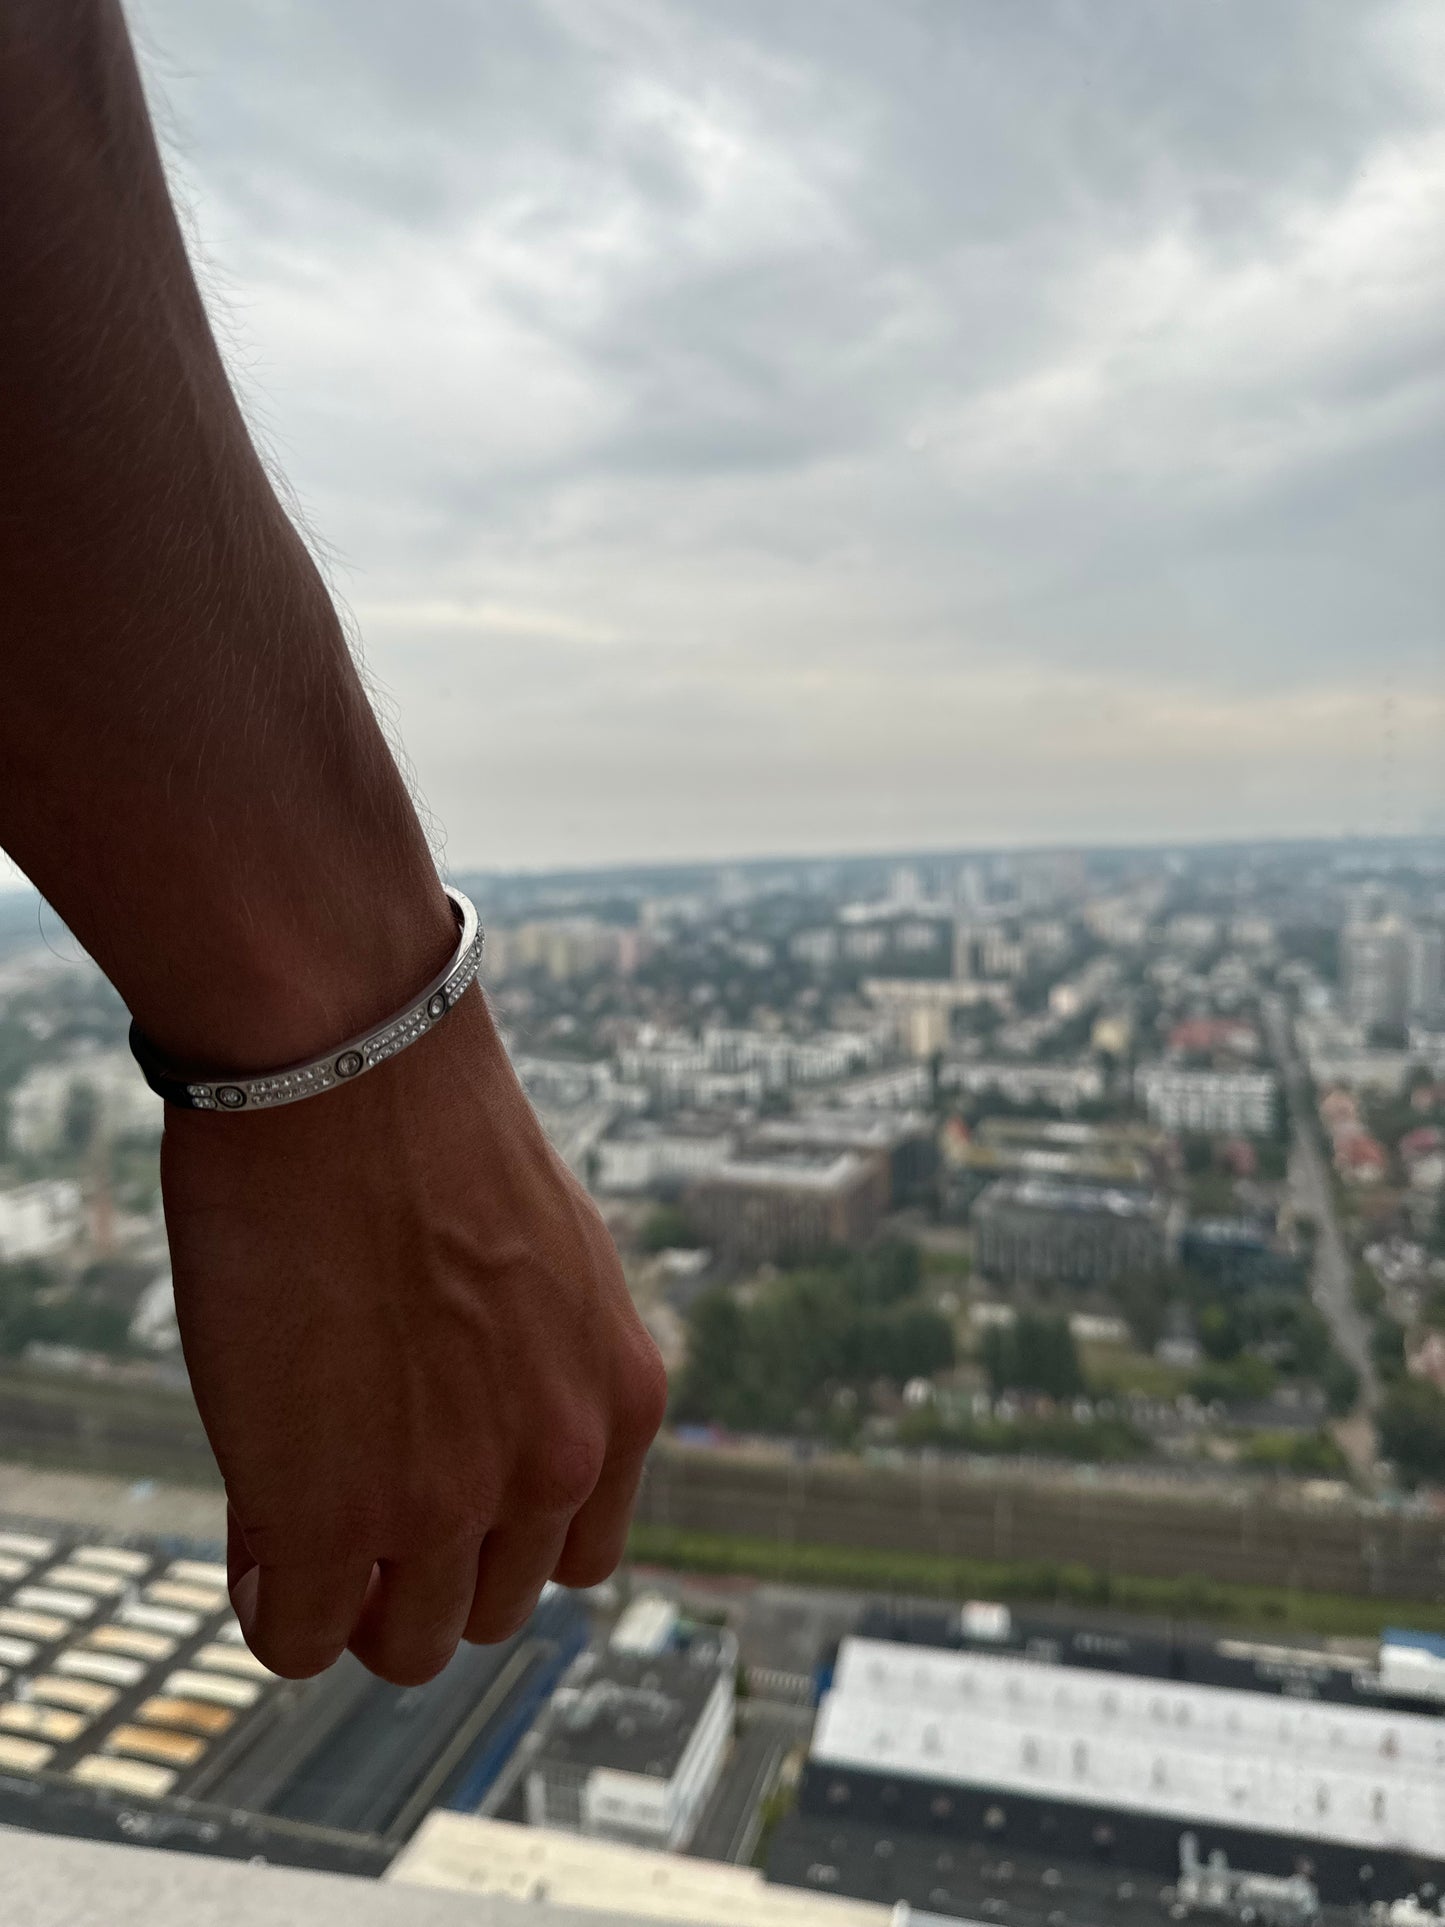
265	1090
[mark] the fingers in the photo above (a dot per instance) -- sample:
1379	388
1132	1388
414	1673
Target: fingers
516	1561
297	1619
415	1614
597	1537
238	1554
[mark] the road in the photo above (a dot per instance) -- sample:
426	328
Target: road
729	1827
1332	1282
362	1774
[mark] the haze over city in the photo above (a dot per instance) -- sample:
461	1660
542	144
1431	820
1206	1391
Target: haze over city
737	433
855	1335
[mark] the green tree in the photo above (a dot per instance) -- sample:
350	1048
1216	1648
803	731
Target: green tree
716	1350
780	1362
1143	1301
1035	1354
1219	1333
1243	1381
1387	1348
666	1229
1341	1385
1412	1430
888	1273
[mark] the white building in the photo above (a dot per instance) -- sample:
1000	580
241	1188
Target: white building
1064	1086
1425	976
632	1745
1374	972
1340	1774
727	1065
1336	1054
903	1089
550	1870
40	1102
919	1009
1236	1102
640	1156
1393	973
38	1220
818	948
153	1324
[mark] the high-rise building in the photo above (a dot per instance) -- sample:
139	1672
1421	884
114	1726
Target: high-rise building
1425	975
1374	972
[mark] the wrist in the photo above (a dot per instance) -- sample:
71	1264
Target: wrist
297	969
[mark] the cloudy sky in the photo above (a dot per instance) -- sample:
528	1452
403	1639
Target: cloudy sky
768	425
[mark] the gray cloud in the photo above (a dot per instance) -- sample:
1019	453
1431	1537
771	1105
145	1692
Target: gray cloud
750	427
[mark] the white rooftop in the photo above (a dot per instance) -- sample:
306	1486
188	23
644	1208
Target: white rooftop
494	1857
789	1170
1202	1754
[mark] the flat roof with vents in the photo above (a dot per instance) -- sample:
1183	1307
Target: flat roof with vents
1351	1775
632	1713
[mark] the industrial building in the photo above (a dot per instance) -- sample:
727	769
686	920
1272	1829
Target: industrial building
1139	1770
789	1204
633	1743
125	1687
1097	1154
904	1141
120	1668
1040	1230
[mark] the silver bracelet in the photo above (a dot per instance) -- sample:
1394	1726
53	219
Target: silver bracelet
216	1092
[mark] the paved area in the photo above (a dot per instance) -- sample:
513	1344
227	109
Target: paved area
1332	1281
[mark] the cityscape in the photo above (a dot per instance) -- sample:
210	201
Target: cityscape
1047	1249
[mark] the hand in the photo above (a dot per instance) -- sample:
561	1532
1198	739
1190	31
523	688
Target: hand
414	1354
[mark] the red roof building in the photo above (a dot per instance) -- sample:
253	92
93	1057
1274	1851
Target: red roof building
1362	1159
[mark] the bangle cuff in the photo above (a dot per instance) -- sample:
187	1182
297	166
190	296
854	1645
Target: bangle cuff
265	1090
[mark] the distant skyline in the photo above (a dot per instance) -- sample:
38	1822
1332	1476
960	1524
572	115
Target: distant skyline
742	430
15	889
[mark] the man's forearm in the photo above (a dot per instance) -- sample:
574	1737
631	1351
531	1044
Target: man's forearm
189	768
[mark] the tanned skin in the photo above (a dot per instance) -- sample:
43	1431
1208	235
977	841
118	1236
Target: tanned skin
413	1350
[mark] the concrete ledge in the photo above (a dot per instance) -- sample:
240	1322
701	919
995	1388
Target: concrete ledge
49	1881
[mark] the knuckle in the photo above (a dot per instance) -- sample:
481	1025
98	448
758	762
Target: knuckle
566	1466
644	1404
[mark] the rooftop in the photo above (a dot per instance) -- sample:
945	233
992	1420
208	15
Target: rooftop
492	1857
1347	1774
1045	1194
861	1130
790	1171
634	1713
